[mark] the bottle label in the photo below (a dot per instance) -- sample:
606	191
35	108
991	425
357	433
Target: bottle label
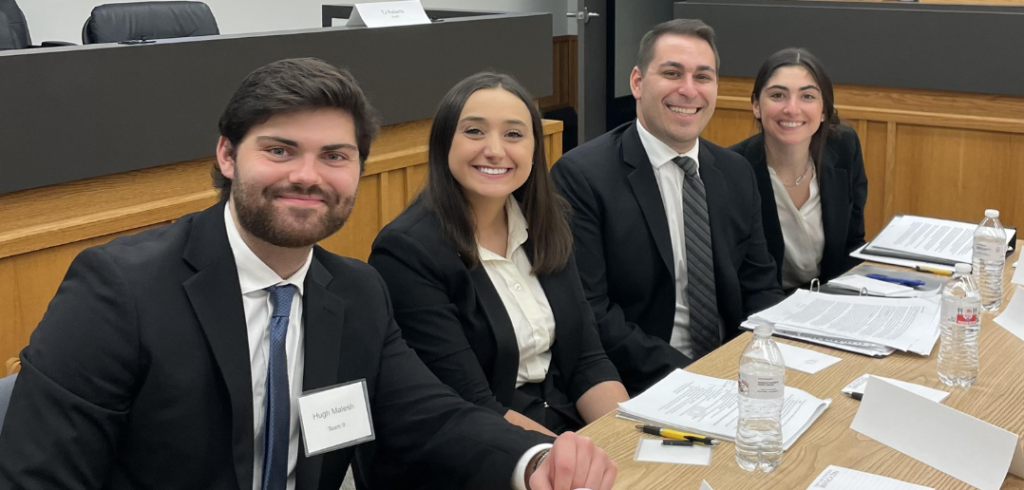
989	251
761	387
966	316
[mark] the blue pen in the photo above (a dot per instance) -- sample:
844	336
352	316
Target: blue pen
910	283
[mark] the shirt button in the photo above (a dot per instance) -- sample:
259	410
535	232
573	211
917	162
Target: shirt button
519	287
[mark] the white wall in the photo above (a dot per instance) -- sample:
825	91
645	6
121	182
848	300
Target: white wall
62	20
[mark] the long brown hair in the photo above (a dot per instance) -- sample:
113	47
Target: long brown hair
545	211
802	57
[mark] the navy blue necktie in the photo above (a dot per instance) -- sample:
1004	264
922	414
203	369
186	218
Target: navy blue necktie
277	419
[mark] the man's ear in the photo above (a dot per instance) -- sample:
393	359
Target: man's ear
635	79
226	157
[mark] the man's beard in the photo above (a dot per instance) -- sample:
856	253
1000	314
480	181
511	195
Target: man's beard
293	227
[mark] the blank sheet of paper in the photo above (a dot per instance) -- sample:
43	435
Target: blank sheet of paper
653	451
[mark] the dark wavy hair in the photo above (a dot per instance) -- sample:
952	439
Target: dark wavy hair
546	212
802	57
288	86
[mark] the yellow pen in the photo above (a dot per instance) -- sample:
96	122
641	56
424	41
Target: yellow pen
941	272
676	434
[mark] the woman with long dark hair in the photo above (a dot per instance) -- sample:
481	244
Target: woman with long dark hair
481	272
809	168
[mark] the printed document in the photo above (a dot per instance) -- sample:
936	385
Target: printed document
838	478
709	406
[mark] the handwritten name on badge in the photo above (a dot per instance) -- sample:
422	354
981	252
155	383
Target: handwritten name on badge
335	417
388	14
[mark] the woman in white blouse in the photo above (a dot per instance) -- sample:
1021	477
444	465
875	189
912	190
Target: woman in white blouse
481	272
809	168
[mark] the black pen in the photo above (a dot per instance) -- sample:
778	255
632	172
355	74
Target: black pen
856	396
676	442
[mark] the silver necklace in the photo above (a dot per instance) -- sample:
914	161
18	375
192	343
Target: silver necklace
802	177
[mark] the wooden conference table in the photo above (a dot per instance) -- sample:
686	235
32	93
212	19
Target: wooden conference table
997	397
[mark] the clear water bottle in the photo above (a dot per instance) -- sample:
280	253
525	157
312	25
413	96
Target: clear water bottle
761	384
960	322
989	259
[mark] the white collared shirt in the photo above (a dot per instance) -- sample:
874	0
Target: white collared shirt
670	182
254	276
802	233
523	297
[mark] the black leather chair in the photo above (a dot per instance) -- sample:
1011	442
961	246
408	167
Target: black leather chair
122	22
14	29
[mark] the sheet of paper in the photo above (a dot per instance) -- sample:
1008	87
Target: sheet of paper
948	240
861	254
928	432
857	386
805	360
1012	318
704	485
653	451
706	405
1018	275
839	478
874	287
899	324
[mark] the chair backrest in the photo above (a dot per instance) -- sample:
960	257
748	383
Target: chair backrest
120	22
6	388
13	28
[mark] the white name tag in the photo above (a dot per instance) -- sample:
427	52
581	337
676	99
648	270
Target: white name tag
335	417
385	14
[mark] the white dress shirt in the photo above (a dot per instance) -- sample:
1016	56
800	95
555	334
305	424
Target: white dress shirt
523	297
802	233
254	277
670	182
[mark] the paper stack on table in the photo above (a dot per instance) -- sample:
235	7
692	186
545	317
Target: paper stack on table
865	325
838	478
909	240
709	406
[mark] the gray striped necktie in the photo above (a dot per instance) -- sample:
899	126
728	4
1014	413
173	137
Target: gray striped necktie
700	270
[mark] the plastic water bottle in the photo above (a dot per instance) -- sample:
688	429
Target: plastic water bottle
762	381
960	322
989	259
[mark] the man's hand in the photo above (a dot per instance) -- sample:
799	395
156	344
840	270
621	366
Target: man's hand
574	462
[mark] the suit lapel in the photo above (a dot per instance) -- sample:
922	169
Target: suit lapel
216	298
772	227
506	361
566	311
645	188
323	324
832	187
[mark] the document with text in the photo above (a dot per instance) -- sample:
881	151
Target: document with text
839	478
929	239
909	324
709	406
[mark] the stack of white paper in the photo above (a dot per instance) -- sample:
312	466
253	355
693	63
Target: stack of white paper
865	325
708	406
924	241
838	478
873	287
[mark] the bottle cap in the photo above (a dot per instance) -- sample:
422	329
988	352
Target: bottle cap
963	268
991	213
762	330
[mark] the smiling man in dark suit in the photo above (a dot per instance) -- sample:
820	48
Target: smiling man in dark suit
667	226
177	358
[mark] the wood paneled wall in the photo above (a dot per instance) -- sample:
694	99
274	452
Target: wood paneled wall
563	73
942	154
42	230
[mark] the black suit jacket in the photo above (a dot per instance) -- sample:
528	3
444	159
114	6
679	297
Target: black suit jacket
455	320
139	376
624	251
843	187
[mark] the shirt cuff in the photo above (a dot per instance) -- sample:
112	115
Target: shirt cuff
519	474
